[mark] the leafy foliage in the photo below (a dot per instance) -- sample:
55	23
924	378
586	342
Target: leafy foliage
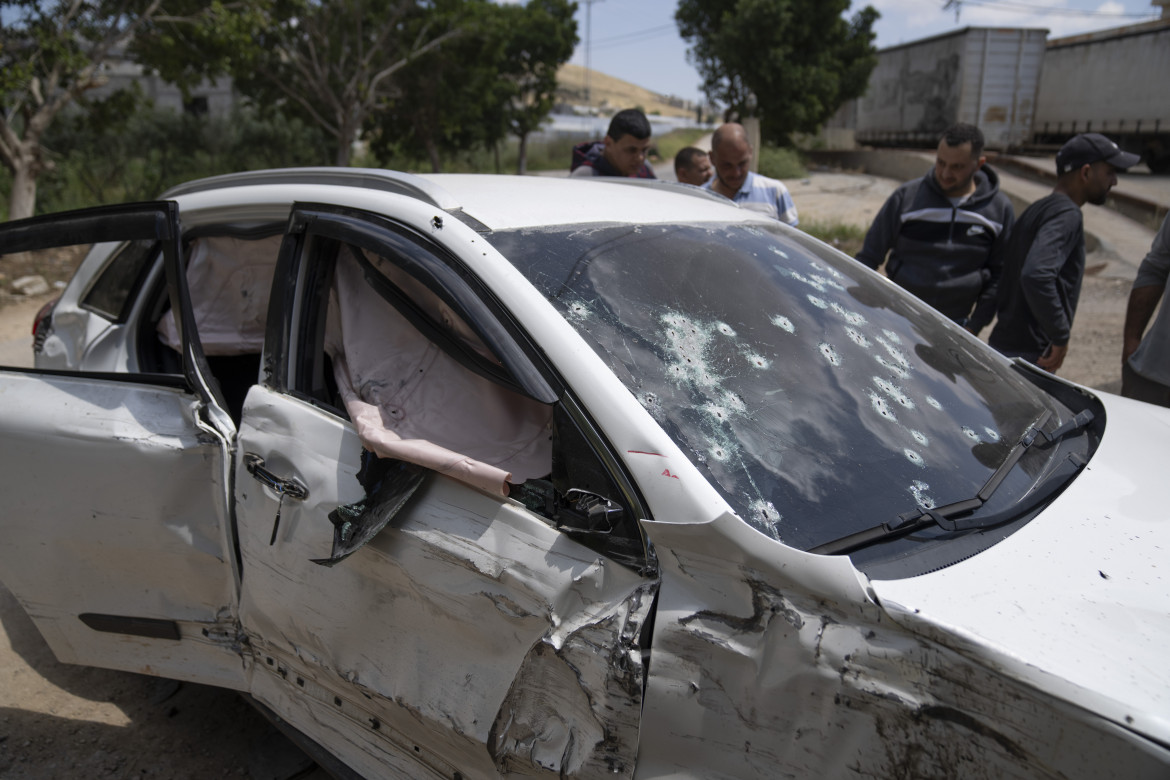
540	37
138	154
497	78
450	97
333	63
790	62
53	52
781	163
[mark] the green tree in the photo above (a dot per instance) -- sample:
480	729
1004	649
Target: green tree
793	63
540	38
499	78
449	98
115	151
53	52
333	62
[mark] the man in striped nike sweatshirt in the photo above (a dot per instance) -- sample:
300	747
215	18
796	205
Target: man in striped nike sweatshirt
945	232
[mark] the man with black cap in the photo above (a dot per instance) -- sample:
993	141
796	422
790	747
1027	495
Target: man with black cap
1044	260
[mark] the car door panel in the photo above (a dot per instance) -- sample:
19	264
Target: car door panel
117	534
469	633
118	487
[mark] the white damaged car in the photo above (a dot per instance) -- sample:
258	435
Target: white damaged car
473	476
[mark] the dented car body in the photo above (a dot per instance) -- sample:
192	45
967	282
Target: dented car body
469	476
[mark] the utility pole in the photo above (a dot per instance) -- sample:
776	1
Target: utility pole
957	5
588	44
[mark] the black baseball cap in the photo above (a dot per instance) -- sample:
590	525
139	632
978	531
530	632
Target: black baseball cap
1088	148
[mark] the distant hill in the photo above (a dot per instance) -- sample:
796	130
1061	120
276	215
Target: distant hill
614	94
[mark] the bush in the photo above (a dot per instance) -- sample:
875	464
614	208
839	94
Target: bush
779	163
848	238
670	144
138	155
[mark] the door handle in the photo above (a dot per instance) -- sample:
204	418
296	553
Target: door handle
282	487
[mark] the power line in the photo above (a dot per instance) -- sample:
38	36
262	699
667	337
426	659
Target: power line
650	32
1018	7
637	38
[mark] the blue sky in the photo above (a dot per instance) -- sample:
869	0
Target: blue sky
637	40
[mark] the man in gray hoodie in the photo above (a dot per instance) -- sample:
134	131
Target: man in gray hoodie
944	232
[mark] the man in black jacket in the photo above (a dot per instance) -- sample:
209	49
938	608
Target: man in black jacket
1044	260
944	232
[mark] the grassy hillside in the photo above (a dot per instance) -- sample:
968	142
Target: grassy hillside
613	93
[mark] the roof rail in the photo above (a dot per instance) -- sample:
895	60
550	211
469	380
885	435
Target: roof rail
368	178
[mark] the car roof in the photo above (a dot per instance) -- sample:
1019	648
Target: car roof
509	202
504	202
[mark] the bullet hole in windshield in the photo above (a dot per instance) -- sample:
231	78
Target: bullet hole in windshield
857	337
578	311
971	434
824	281
810	282
853	318
895	392
920	437
826	270
725	329
651	404
914	458
918	489
719	413
758	361
829	353
992	435
881	407
720	452
897	371
930	401
765	517
819	303
895	353
783	323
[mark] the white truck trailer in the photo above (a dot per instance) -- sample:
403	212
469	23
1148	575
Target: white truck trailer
985	76
1115	82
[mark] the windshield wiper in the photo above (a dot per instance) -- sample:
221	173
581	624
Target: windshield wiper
943	516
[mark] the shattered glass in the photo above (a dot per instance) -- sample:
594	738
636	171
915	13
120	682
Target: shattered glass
815	396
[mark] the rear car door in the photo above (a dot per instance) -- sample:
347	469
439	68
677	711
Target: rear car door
118	539
469	635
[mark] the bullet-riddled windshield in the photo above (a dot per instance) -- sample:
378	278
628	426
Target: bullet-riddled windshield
819	399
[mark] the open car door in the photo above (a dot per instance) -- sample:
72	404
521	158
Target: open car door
117	534
421	620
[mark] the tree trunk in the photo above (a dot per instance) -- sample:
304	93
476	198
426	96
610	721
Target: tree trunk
344	145
522	162
22	200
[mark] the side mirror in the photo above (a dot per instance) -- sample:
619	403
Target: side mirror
583	512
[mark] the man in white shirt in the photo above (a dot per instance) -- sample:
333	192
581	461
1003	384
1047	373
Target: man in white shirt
731	157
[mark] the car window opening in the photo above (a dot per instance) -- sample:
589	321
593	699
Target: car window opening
414	401
229	279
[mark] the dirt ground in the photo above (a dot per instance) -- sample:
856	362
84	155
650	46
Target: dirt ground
67	721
